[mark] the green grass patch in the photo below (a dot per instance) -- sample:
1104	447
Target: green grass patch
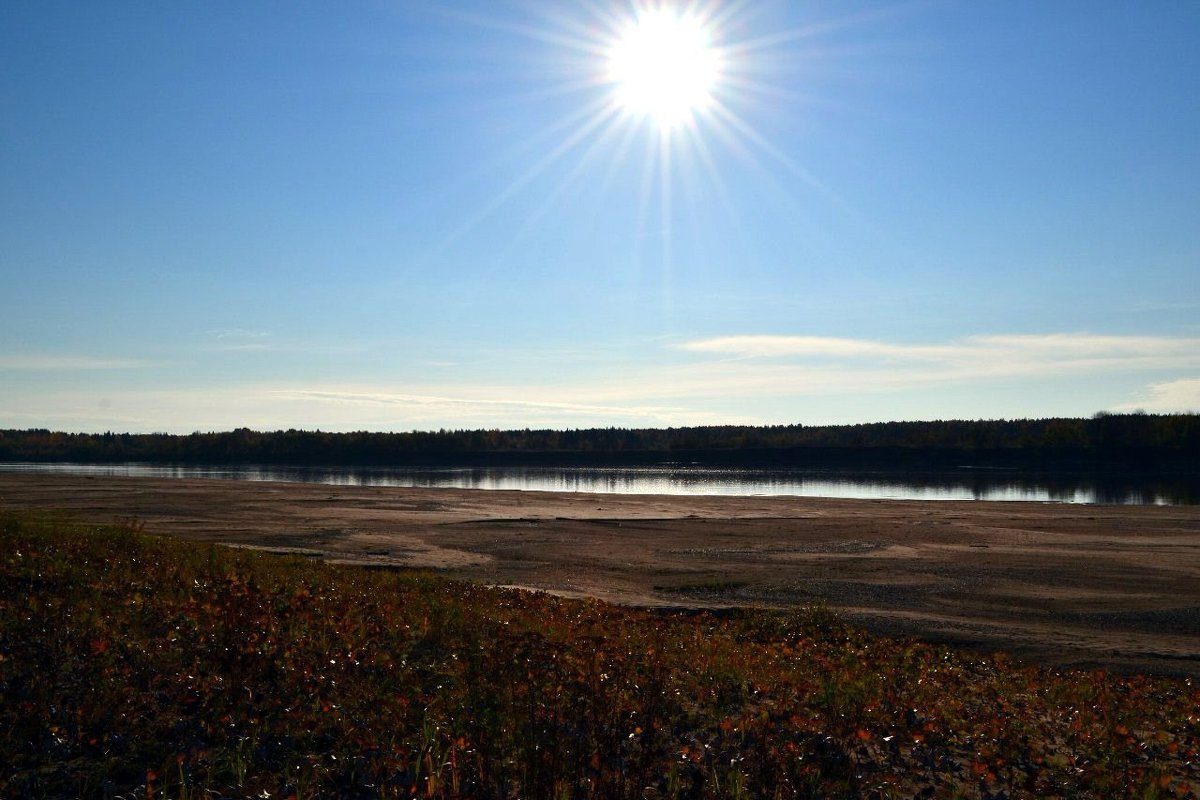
139	666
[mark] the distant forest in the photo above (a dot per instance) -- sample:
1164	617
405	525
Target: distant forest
1108	442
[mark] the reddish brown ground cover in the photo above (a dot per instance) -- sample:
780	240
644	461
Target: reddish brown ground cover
135	666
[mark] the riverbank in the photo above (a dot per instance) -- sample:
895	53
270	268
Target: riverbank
1110	586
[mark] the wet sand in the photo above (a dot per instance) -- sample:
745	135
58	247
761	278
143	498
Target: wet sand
1116	587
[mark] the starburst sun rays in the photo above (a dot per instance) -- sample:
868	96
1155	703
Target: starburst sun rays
668	79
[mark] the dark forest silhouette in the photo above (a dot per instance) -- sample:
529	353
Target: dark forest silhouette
1135	442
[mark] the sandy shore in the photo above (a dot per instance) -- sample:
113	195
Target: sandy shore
1110	586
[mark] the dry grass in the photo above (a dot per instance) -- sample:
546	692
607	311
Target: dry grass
134	666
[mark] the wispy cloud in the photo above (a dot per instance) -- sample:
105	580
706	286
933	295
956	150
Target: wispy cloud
240	339
238	333
781	346
44	363
493	399
1167	397
1164	305
332	408
730	388
727	380
996	355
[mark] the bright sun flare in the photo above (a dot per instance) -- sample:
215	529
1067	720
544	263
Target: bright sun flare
663	67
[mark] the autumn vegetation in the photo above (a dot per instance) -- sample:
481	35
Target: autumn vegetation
134	666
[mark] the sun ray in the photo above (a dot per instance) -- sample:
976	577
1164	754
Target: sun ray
591	119
619	155
824	27
541	32
646	189
745	130
671	91
586	159
697	146
665	180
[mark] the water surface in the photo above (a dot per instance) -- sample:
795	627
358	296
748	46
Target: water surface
964	484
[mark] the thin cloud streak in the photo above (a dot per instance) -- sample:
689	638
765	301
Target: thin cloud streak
41	363
777	346
1016	347
332	408
239	333
510	404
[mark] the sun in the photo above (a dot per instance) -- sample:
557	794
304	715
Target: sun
664	67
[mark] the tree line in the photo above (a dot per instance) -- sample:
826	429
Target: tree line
1169	441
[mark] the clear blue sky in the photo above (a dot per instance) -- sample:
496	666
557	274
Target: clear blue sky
414	215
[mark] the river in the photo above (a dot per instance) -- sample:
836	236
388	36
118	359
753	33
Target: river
961	484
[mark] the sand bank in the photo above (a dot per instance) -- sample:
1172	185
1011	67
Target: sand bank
1109	586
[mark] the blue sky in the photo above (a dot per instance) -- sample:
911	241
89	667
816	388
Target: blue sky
410	215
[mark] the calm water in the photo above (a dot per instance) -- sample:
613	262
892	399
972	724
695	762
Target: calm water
963	484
